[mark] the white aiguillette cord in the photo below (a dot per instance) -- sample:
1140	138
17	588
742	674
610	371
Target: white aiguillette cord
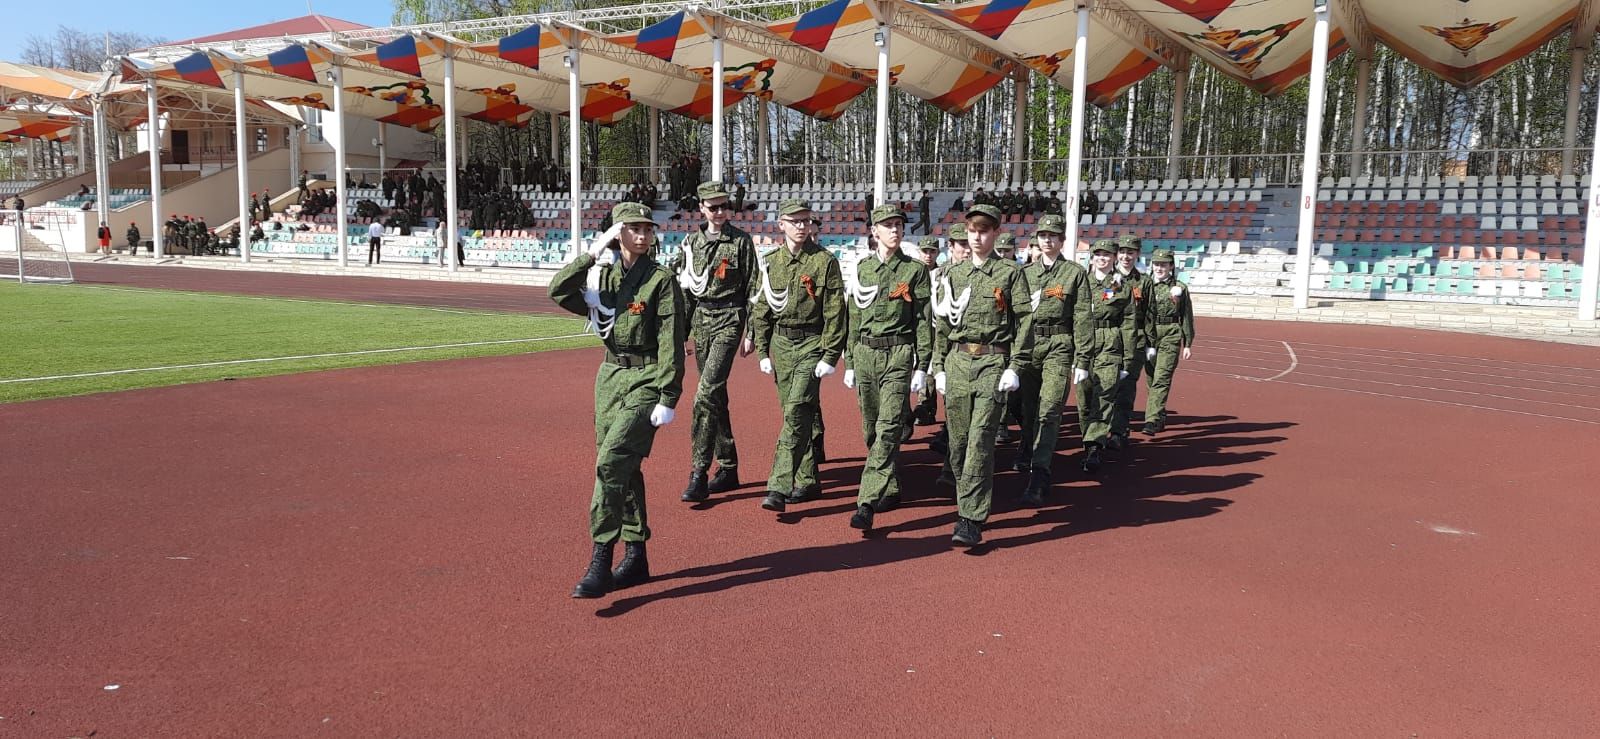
777	300
949	308
688	279
860	294
601	318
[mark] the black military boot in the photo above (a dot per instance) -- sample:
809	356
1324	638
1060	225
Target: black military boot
940	443
1038	482
805	494
596	581
862	518
696	491
969	533
1021	462
775	501
1113	442
1150	428
1091	458
887	503
727	478
1003	436
634	568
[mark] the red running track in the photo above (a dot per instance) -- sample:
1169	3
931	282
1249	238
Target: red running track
388	551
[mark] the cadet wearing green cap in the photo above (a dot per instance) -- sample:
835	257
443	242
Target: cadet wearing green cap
1102	360
1170	317
716	268
1136	343
927	409
635	307
799	329
956	238
1005	247
985	315
883	358
1061	331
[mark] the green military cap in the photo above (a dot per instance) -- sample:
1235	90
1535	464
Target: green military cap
1106	245
928	243
1005	241
985	209
792	206
631	213
710	190
1162	255
885	212
1051	223
1130	241
958	232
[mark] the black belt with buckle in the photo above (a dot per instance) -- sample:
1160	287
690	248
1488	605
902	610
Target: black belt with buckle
982	349
1166	321
1098	323
883	342
796	332
1046	330
629	361
721	304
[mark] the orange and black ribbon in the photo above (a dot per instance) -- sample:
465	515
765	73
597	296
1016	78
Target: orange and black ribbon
1056	291
1000	305
902	291
810	285
1137	294
636	308
722	269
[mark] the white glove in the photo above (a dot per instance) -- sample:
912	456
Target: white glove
1008	381
823	369
591	298
1079	375
1122	374
938	382
919	380
661	416
1150	354
598	246
766	366
850	379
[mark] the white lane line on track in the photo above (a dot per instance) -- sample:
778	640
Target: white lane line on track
261	360
326	301
1479	362
1427	373
1410	397
1294	361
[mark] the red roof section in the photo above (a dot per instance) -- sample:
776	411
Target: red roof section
292	27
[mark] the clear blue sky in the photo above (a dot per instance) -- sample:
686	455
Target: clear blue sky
170	19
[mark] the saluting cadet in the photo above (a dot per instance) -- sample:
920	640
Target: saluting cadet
1129	247
1102	361
1060	327
985	316
799	328
635	307
1170	316
927	409
883	358
717	270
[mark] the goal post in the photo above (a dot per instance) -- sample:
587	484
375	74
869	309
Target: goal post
25	256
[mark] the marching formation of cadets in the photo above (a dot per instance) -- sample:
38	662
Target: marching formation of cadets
999	340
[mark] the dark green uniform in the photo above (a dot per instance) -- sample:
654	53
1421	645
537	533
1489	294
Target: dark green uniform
801	323
1135	341
726	274
1170	316
987	335
889	341
643	368
1060	334
927	407
1110	327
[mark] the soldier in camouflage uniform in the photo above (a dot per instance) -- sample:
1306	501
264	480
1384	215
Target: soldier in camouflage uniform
956	238
635	307
1137	343
798	324
884	355
716	268
1060	307
985	318
1005	247
926	411
1170	317
1102	359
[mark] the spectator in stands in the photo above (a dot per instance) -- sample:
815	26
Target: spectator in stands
83	191
257	235
374	243
134	237
438	240
104	234
1090	205
979	197
266	205
303	180
924	203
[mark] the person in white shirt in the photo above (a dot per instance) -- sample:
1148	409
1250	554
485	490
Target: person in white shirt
375	243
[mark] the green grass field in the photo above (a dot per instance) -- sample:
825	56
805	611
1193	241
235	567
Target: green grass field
50	330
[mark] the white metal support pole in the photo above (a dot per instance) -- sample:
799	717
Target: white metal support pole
574	175
82	165
717	94
880	141
452	218
295	132
1080	74
555	139
1358	119
763	142
153	129
654	117
1308	169
1180	93
1591	236
241	164
102	163
1019	124
1569	135
383	145
340	144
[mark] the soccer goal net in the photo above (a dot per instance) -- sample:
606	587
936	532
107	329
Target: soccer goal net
33	248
